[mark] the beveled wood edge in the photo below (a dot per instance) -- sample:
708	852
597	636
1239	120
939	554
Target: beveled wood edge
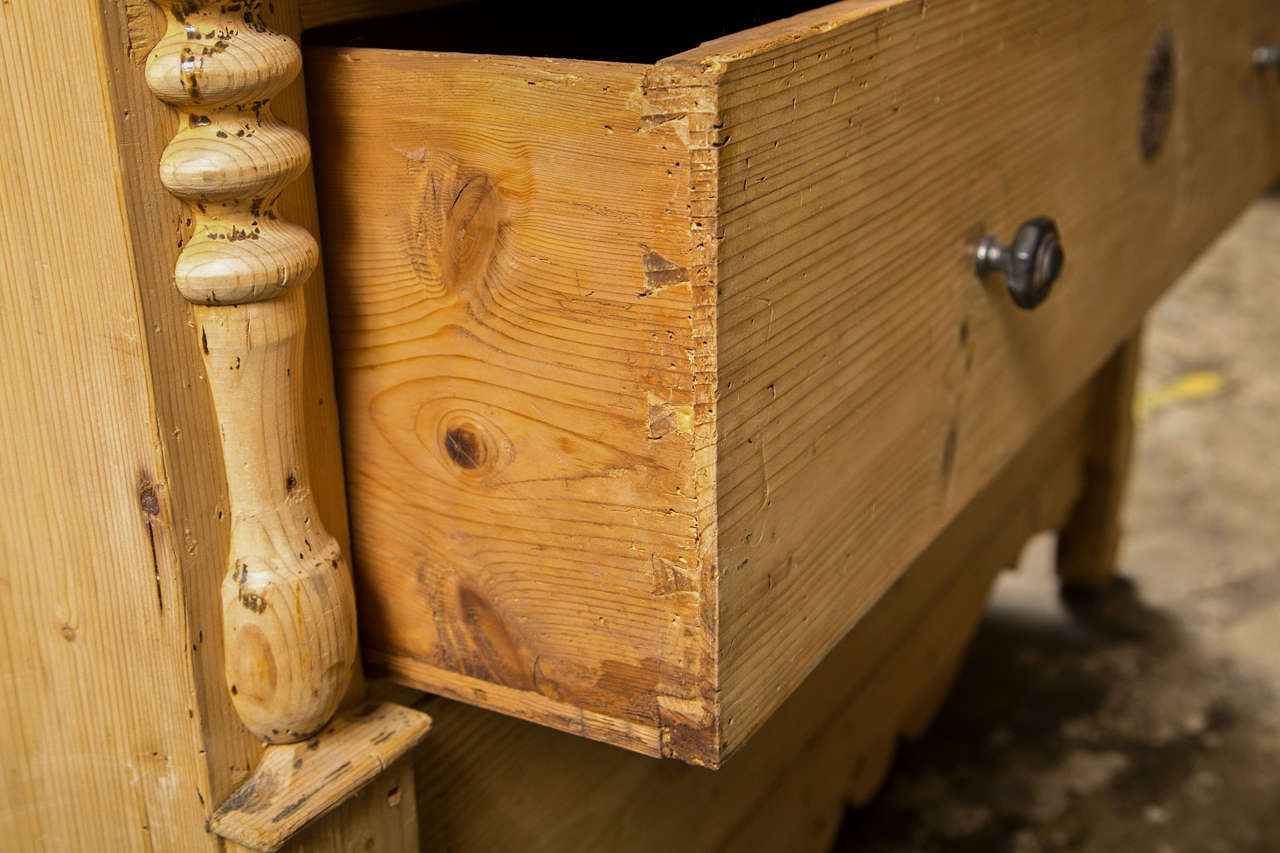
746	43
296	783
521	704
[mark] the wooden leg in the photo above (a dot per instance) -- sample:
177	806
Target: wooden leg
1087	545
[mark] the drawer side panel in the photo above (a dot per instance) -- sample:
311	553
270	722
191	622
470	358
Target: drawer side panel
868	384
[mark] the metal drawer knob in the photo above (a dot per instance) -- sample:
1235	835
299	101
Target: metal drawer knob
1031	263
1267	56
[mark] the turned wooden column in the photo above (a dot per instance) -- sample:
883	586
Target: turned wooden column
289	622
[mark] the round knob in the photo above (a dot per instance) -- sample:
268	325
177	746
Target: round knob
1031	263
1267	56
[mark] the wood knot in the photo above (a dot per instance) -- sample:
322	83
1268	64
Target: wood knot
148	501
474	446
454	235
464	447
1158	90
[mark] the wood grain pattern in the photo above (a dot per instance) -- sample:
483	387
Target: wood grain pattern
383	816
289	621
288	605
219	64
296	783
118	730
512	308
193	531
289	641
99	751
868	387
825	746
835	384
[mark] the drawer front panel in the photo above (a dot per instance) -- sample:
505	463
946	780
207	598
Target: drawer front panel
511	324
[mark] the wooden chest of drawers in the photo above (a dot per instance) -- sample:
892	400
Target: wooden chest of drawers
675	413
654	377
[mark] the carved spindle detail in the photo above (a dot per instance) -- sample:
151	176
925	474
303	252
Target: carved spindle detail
231	157
288	605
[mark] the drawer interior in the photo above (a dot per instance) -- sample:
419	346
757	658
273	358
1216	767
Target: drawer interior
566	30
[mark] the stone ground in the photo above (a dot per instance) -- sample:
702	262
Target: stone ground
1145	719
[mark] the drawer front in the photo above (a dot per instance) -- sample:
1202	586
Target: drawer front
654	379
511	331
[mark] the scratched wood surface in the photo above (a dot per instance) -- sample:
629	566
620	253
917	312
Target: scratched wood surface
835	385
868	387
296	783
199	525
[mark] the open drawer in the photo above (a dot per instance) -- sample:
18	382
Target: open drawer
655	376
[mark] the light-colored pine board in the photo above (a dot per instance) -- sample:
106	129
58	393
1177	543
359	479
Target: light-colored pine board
98	740
296	783
118	732
512	321
383	816
197	518
868	386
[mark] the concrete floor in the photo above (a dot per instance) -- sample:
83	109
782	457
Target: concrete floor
1145	719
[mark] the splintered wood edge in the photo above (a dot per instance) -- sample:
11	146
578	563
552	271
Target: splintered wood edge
298	782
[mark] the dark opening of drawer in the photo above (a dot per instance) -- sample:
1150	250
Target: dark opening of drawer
644	32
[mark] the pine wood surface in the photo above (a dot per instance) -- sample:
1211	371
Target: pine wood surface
383	816
289	633
99	750
1090	540
829	744
849	384
296	783
528	400
852	335
197	531
118	730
